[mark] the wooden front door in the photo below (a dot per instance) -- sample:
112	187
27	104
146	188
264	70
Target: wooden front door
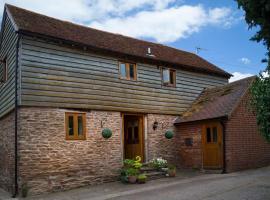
212	144
133	136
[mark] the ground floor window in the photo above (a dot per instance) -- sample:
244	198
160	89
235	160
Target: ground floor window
75	126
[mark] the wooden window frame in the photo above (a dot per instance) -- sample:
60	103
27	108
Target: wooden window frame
174	77
127	65
75	126
4	77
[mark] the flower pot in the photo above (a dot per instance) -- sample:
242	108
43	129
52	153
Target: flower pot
132	179
142	180
172	173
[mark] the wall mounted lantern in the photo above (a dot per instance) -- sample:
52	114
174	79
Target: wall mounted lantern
155	125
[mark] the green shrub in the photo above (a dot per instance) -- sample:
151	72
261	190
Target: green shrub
132	172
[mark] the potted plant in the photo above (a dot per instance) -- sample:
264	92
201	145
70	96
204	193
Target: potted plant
171	171
25	190
158	163
132	175
141	178
123	175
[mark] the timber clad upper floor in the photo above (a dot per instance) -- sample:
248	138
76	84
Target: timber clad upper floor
57	74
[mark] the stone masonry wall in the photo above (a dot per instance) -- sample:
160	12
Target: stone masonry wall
48	162
156	143
7	142
189	145
245	147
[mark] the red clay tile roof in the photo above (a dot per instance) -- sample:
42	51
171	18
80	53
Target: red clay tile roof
30	22
216	102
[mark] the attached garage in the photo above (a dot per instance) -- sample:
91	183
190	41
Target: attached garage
219	131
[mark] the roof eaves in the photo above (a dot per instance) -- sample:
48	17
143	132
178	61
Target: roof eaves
11	18
225	116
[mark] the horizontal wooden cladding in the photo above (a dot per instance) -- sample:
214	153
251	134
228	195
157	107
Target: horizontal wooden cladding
8	49
58	76
80	58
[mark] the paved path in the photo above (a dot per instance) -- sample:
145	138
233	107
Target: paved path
246	185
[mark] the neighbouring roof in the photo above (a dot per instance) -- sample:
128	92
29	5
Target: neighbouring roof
216	102
30	22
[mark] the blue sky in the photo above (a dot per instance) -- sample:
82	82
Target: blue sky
227	47
217	27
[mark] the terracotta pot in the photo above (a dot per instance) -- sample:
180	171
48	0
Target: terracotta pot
141	181
132	179
172	173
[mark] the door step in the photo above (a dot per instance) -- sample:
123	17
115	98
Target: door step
212	171
155	175
152	173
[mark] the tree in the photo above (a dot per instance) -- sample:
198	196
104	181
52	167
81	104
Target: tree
258	15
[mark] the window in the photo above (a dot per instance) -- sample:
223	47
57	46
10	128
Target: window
75	126
214	131
169	77
208	135
4	70
211	135
128	71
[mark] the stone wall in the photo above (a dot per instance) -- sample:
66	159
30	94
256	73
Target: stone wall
48	162
189	145
156	143
7	141
245	147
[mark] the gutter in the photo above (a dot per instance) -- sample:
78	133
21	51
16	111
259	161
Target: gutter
16	118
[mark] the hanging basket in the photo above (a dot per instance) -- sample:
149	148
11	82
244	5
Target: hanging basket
169	134
106	133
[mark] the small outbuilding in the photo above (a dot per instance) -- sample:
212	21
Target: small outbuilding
219	131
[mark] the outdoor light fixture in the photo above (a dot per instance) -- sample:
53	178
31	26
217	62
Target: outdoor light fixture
155	125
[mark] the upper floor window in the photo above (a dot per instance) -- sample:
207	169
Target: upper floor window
169	77
128	71
75	126
4	70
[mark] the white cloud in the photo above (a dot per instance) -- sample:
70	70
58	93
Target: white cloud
160	20
245	60
265	74
167	25
238	76
86	10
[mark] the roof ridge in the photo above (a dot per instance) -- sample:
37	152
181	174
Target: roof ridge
96	29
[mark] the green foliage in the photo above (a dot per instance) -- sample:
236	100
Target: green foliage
159	163
106	133
131	168
124	179
258	15
142	176
132	172
260	101
171	167
130	163
25	190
